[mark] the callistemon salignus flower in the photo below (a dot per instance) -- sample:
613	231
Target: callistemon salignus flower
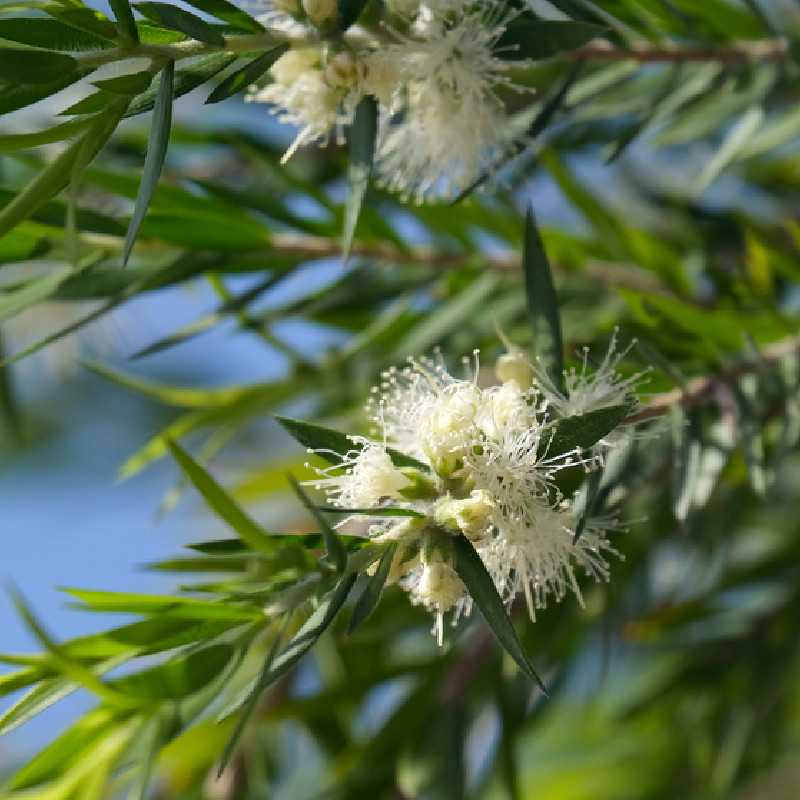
318	98
443	124
435	68
478	463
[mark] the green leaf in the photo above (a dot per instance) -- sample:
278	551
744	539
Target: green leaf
13	302
154	160
50	34
369	598
230	13
221	503
247	75
45	694
11	142
72	744
333	445
177	678
383	511
584	430
63	662
34	66
589	501
125	21
172	606
135	83
529	38
687	458
361	140
177	396
305	638
479	583
57	175
337	555
542	304
186	79
86	19
19	95
177	19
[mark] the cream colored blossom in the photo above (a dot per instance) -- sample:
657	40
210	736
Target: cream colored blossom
486	472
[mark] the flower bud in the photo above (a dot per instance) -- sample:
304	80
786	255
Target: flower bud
471	515
293	64
439	586
403	8
448	433
514	366
321	13
287	6
342	70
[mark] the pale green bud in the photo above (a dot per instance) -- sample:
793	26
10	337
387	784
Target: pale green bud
514	366
321	13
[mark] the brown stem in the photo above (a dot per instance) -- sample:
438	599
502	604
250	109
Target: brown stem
697	390
323	247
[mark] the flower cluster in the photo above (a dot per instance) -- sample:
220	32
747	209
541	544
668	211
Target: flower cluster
479	461
434	68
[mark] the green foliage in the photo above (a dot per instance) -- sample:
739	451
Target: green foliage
669	130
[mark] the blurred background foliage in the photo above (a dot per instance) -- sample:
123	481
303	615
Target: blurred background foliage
664	171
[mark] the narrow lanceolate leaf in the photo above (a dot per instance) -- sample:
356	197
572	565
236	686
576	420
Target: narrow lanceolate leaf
298	646
221	503
363	133
247	75
57	175
383	511
530	38
16	301
18	66
69	667
177	678
125	21
177	19
337	555
134	83
333	445
687	461
11	142
479	583
585	430
154	160
50	34
542	304
186	79
368	600
589	502
20	95
228	12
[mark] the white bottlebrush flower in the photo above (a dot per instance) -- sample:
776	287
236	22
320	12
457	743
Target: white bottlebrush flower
591	389
535	554
435	585
303	96
446	124
490	477
470	515
365	477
